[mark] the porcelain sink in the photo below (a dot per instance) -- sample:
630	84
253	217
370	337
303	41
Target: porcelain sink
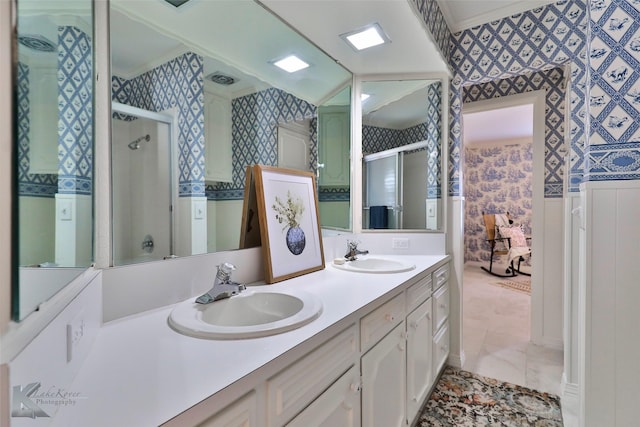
250	314
375	265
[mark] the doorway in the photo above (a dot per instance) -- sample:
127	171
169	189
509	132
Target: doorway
532	106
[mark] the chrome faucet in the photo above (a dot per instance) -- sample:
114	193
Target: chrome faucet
223	287
353	250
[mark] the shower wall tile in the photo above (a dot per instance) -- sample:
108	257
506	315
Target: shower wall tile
33	185
537	40
75	104
552	82
177	83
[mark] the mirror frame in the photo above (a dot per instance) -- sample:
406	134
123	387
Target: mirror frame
356	147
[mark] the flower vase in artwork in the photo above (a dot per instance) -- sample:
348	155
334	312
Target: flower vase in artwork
289	213
296	240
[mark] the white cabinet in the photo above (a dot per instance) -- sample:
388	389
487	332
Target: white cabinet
242	413
339	405
43	120
440	318
384	382
419	358
334	145
293	389
294	145
217	138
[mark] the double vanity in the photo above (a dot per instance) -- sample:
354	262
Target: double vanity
367	353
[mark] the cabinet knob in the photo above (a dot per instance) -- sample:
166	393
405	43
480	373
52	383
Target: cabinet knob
389	317
355	387
414	324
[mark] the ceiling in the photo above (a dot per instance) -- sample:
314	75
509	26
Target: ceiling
500	125
464	14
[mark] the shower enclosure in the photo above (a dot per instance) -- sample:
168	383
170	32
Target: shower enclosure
142	200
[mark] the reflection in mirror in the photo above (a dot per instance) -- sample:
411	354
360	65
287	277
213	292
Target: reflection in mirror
54	137
212	63
334	147
401	144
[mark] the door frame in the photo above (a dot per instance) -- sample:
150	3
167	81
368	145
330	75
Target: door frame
538	99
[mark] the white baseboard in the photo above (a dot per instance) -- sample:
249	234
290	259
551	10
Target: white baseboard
570	402
456	360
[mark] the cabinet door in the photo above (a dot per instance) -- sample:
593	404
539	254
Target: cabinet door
384	381
419	358
242	413
334	146
339	405
217	138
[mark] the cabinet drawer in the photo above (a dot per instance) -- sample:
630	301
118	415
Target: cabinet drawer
440	306
375	325
418	293
243	412
440	348
339	405
293	389
441	276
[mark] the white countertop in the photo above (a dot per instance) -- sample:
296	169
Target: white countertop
140	372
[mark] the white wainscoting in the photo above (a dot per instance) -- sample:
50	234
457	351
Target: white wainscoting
608	311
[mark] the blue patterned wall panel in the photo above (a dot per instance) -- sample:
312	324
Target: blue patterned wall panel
552	82
34	185
537	40
614	101
75	104
254	134
177	83
498	179
436	24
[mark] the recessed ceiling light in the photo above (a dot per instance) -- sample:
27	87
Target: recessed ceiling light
369	36
291	64
364	97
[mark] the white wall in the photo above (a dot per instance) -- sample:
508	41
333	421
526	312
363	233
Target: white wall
225	217
37	230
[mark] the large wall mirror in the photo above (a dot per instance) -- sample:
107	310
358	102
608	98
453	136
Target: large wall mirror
402	127
197	97
54	140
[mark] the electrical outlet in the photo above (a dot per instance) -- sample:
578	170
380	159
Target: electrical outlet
75	333
400	243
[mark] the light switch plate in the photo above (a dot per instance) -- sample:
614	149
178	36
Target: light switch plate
400	243
64	210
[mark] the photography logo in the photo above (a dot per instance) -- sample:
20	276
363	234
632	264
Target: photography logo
28	400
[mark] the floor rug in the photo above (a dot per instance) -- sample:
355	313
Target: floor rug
520	286
463	399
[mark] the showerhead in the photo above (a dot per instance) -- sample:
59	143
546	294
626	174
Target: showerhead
134	145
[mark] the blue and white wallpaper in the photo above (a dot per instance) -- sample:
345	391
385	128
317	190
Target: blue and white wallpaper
75	104
552	82
498	179
33	185
436	24
75	121
537	40
254	135
614	99
177	83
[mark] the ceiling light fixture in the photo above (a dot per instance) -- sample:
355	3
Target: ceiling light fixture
369	36
291	64
364	97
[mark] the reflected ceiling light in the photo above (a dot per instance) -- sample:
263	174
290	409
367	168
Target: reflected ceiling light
369	36
364	97
291	64
176	3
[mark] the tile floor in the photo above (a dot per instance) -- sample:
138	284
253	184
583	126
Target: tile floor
496	327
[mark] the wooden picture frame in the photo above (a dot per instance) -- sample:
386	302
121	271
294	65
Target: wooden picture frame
250	227
289	222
